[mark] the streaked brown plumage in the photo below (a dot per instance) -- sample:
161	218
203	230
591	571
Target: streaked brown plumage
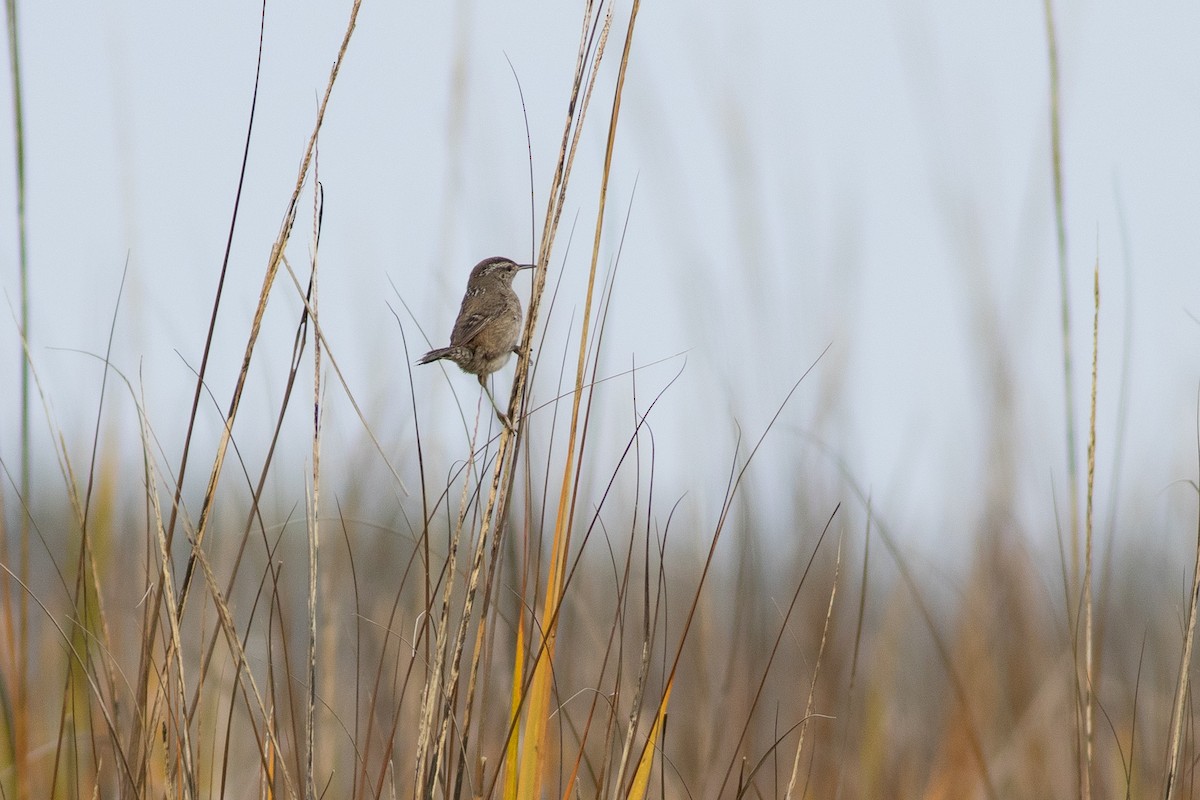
488	325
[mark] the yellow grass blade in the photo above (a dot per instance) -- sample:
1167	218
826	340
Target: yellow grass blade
641	778
511	751
533	752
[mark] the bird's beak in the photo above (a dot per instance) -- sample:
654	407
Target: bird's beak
526	266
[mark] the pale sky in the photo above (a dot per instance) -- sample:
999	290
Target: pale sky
870	176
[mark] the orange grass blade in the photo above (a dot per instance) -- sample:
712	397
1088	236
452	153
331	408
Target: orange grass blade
534	752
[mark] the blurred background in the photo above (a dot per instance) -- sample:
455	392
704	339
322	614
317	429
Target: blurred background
874	178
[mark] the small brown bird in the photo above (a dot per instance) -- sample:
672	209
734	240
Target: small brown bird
488	325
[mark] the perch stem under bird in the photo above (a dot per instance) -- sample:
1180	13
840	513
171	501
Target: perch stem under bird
488	325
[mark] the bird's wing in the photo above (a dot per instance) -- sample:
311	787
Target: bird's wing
467	328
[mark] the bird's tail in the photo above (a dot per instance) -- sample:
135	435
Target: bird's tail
434	355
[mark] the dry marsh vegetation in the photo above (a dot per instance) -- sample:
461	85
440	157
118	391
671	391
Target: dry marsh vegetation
531	623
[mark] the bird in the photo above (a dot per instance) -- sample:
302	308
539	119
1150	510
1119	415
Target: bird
488	325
